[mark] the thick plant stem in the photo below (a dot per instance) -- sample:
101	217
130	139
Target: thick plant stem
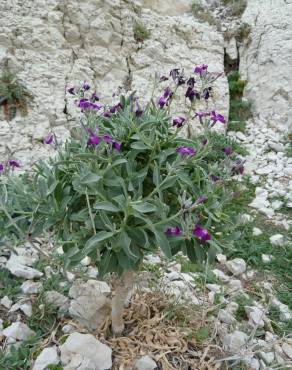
123	286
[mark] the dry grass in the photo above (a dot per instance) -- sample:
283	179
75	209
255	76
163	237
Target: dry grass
169	332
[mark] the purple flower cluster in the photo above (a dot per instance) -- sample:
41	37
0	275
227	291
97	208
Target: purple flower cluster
165	98
177	76
11	163
87	104
186	150
178	121
215	117
199	232
112	110
238	167
94	140
201	69
48	139
227	150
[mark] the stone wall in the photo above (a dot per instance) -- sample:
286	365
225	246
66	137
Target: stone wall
53	44
266	62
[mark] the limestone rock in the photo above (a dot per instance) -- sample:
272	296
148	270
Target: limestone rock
226	317
145	363
287	349
56	299
31	287
256	231
85	352
233	342
91	302
19	331
261	60
278	240
16	266
6	302
237	266
48	356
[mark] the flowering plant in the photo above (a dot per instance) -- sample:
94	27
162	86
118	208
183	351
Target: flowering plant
124	184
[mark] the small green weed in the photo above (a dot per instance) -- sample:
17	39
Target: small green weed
203	14
242	300
281	328
13	95
9	285
141	33
235	7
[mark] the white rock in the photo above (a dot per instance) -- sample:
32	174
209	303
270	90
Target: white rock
24	305
236	266
15	266
240	135
245	218
234	285
232	307
48	356
56	299
6	302
221	258
221	276
287	349
226	317
268	357
152	259
145	363
85	352
92	272
270	337
67	329
277	204
256	231
266	258
31	287
18	331
234	342
91	302
278	240
214	288
86	261
255	316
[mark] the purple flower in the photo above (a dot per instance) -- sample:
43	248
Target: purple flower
202	114
191	94
227	150
84	104
206	93
173	231
167	93
107	138
217	117
86	86
191	82
204	142
185	150
71	91
162	102
93	140
94	97
107	113
1	167
215	178
238	167
201	234
201	199
139	110
13	164
178	121
48	139
117	146
95	106
200	69
174	73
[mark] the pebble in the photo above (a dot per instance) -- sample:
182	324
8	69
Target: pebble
237	266
278	240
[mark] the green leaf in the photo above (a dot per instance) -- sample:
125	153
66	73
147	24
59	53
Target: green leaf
139	145
95	240
144	207
89	178
106	206
168	183
163	243
124	241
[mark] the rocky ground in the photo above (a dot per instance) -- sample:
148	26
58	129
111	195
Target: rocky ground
178	317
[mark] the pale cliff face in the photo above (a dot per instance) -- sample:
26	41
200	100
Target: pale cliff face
53	44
